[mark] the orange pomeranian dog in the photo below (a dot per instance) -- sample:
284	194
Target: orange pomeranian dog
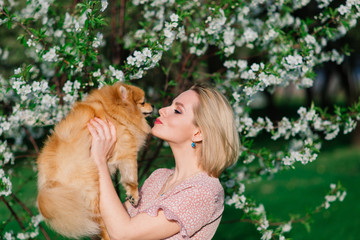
68	183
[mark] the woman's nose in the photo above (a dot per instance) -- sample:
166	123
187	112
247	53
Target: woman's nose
162	112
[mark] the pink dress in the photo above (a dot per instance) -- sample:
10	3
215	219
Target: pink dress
196	204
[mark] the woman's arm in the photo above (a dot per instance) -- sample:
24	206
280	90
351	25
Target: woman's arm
117	221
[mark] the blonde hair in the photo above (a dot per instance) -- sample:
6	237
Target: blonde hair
220	139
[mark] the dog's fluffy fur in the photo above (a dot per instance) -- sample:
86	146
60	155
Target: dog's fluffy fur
68	196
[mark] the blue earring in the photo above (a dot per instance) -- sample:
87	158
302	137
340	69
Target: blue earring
193	145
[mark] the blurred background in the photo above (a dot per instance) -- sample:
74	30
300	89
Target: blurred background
296	191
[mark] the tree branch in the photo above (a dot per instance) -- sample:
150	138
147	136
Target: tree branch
32	140
114	45
31	215
13	213
122	19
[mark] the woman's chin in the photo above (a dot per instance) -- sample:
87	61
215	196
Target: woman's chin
155	132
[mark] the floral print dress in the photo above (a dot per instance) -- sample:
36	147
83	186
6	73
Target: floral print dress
196	204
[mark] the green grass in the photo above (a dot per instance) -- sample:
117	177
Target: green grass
297	190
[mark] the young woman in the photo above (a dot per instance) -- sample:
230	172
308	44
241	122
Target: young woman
186	202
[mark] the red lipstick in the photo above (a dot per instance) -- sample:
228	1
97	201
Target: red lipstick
157	121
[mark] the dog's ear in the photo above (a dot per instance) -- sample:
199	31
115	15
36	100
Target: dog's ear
123	92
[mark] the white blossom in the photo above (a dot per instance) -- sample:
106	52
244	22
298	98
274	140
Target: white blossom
343	10
330	198
230	64
147	52
229	36
117	74
342	196
332	131
306	82
131	60
255	67
9	236
137	75
267	235
292	62
230	183
98	40
67	87
227	51
215	25
324	3
238	200
350	125
139	33
5	183
250	35
270	35
17	70
76	85
174	17
30	42
97	73
288	161
51	55
104	4
286	227
249	159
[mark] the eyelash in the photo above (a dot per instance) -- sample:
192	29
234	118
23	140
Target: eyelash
177	111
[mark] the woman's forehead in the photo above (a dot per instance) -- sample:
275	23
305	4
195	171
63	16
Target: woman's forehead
188	97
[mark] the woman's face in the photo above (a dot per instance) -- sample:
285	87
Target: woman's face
176	122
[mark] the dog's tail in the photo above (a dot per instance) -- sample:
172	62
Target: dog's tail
65	211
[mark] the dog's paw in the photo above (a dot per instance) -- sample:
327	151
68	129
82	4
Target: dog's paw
132	200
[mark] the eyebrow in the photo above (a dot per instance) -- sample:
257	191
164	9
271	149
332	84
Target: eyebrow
179	104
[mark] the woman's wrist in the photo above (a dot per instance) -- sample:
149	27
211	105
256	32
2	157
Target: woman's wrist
102	166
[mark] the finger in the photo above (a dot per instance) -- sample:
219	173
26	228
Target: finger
112	130
98	128
92	130
105	127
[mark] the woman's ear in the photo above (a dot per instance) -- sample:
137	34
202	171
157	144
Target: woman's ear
197	137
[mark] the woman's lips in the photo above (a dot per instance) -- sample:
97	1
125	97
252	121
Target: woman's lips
157	121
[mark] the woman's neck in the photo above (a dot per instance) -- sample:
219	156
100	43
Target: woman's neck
186	162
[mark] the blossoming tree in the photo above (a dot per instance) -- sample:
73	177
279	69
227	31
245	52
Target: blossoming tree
57	51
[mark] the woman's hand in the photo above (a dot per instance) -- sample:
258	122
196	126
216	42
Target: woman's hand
103	139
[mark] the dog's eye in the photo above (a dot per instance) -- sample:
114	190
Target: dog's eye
142	104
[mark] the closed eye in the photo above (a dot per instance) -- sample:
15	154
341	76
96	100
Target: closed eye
177	111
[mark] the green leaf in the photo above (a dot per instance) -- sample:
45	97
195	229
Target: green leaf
307	226
6	11
100	21
22	39
172	83
337	110
9	23
35	32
